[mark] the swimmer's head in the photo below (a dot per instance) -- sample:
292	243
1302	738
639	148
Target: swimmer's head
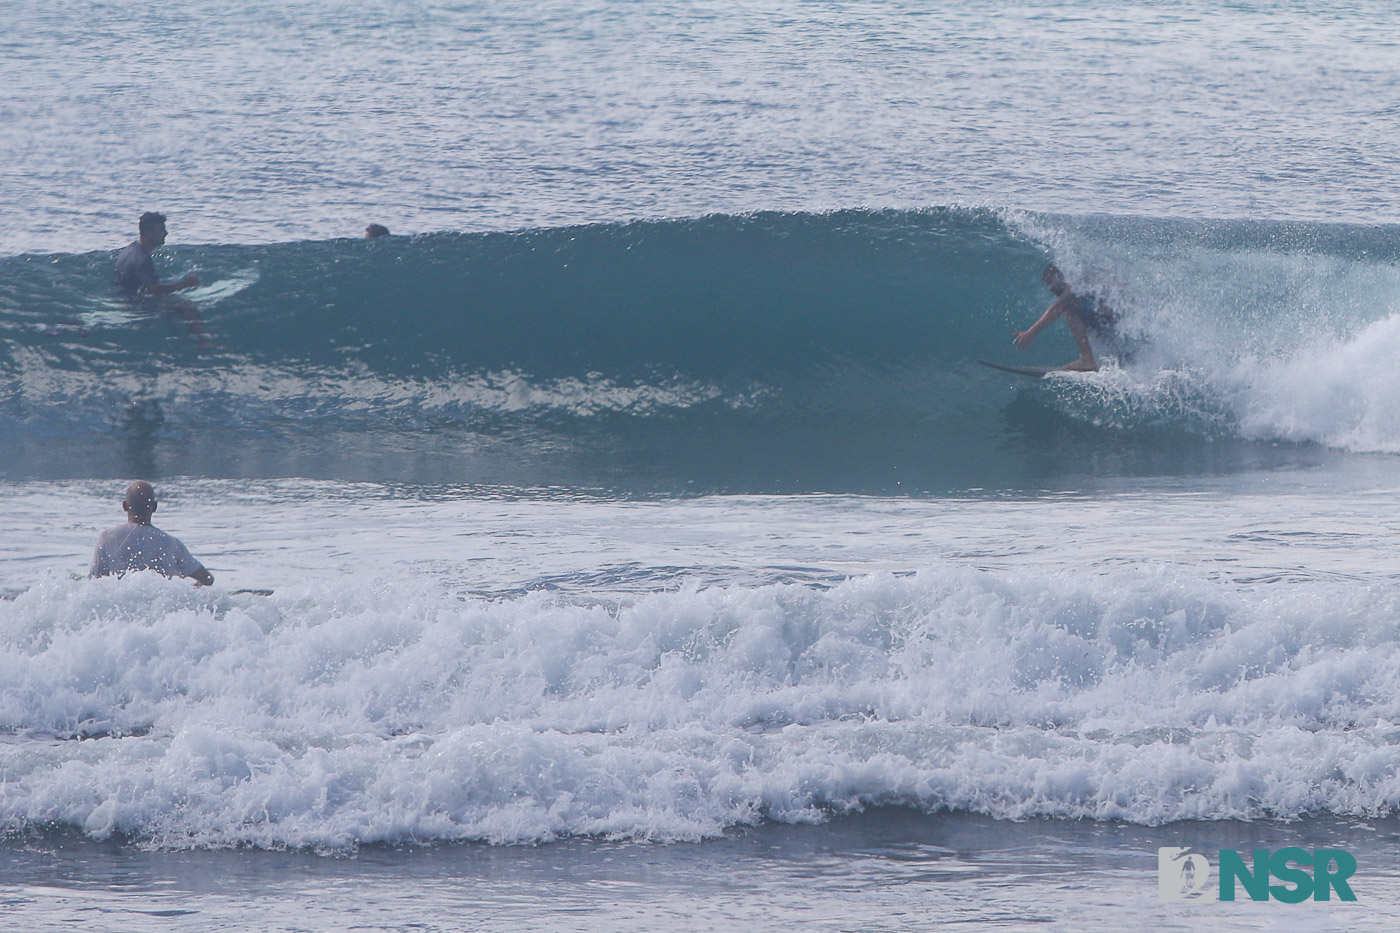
374	230
140	501
152	228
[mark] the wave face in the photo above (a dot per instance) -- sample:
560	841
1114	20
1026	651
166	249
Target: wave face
337	714
774	351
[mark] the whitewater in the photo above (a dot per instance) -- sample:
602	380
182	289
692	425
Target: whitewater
615	703
634	539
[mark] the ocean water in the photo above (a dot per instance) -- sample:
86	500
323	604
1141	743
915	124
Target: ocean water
634	539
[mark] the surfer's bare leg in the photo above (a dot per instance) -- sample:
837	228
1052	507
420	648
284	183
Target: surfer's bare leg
187	312
1086	362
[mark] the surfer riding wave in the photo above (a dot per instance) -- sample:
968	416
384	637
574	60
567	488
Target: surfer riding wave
1084	315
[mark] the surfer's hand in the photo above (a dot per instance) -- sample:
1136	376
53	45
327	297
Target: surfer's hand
1021	338
190	281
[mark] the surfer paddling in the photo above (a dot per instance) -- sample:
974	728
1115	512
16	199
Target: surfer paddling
138	283
1084	314
139	545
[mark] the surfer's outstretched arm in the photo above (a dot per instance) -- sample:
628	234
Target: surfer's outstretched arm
1022	338
1065	306
166	288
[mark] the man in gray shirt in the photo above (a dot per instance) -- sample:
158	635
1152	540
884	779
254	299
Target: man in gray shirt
137	281
139	545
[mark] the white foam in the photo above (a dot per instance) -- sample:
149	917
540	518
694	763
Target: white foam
1342	393
333	715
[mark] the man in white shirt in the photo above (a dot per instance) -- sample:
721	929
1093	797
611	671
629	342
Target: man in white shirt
139	545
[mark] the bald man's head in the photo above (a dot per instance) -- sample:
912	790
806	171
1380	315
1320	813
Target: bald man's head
140	501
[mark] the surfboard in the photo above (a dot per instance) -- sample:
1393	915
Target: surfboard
211	293
1035	372
111	311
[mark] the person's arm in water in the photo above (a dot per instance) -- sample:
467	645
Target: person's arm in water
186	564
165	288
99	562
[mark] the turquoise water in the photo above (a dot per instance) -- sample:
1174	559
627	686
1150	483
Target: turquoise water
785	353
645	542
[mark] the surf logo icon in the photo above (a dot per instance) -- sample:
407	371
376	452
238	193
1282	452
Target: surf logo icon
1181	875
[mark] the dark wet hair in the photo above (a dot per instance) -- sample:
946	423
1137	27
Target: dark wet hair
374	230
149	221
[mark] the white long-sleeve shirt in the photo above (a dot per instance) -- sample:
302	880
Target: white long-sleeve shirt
133	546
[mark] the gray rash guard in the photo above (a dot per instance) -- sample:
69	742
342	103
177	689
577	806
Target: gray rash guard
135	270
133	547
